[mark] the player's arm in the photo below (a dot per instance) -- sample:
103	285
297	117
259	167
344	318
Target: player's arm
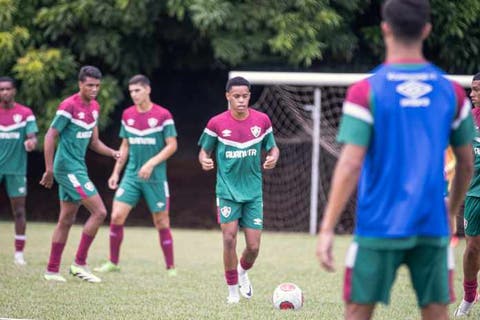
461	180
205	159
345	178
271	158
48	152
170	147
99	147
119	165
31	142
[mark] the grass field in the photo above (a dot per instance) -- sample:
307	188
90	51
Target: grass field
142	290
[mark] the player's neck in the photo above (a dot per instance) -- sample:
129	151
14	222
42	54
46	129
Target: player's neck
7	104
399	52
239	115
144	106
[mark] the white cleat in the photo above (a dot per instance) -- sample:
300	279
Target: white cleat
233	299
82	272
464	309
245	286
19	259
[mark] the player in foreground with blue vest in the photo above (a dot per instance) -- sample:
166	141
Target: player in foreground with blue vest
239	135
396	125
471	256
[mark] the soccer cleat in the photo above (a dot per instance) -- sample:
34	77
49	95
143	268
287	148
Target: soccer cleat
54	276
233	299
107	267
244	285
18	259
464	309
172	272
82	272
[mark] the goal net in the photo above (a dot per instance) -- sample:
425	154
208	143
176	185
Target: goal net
305	109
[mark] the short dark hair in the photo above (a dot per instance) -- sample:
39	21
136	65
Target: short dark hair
476	77
8	79
139	79
406	17
237	81
89	71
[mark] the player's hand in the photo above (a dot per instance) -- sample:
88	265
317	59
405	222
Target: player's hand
324	250
116	154
145	171
207	164
270	162
47	179
29	144
113	181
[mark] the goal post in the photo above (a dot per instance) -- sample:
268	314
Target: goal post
311	108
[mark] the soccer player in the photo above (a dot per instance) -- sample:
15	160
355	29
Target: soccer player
75	126
17	137
148	139
471	256
239	135
395	128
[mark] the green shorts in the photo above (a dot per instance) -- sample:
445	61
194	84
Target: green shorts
249	214
156	194
370	273
471	216
74	187
16	185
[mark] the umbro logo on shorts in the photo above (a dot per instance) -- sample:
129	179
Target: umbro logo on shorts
160	204
257	221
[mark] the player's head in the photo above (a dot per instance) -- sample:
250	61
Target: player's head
89	82
408	21
238	95
7	89
475	93
139	89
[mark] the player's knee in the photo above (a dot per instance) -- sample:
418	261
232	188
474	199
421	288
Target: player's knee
473	247
66	222
19	213
161	221
253	249
229	240
100	214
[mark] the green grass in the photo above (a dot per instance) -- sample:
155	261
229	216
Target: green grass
142	290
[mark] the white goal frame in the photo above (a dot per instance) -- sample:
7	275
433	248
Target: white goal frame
316	80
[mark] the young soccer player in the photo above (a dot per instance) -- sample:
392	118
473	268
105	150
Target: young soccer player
148	139
75	126
17	137
239	135
395	128
471	256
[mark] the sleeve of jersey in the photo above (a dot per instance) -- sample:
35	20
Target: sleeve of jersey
209	137
269	140
31	124
62	117
357	121
463	131
169	127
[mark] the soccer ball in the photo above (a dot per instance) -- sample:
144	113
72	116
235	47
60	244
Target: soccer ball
287	296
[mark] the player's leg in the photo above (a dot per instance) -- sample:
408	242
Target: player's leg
252	223
16	187
18	210
471	255
431	270
368	279
228	214
157	197
68	211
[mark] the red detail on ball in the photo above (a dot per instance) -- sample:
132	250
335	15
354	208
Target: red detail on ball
286	305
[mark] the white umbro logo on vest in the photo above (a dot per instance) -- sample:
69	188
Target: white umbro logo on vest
256	131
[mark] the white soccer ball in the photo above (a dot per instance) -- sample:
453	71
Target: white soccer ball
287	296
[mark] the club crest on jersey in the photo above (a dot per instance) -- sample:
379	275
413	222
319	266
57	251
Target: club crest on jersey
95	114
152	122
225	211
81	115
226	133
256	131
130	122
17	118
